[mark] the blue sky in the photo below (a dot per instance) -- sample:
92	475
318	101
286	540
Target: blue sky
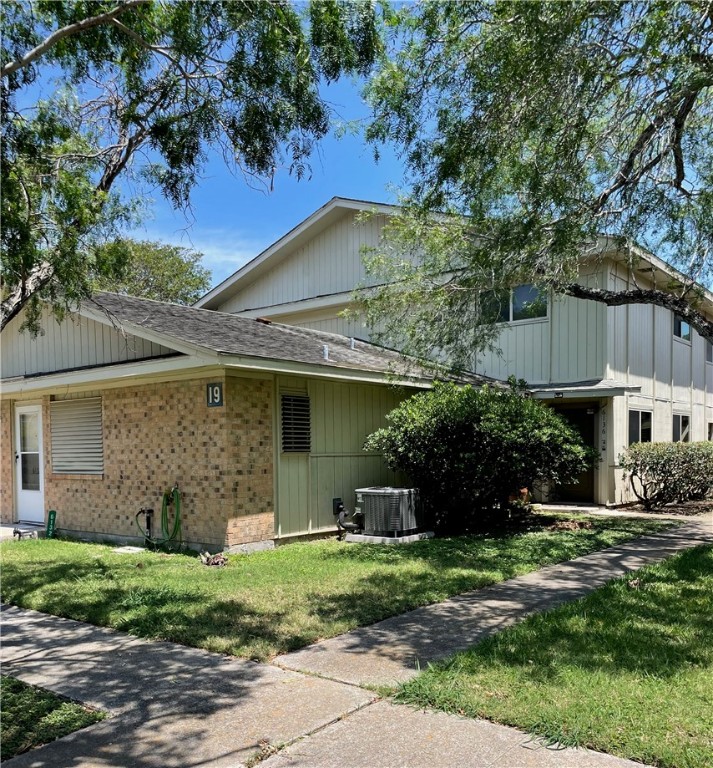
233	220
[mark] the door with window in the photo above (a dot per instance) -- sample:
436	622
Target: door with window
29	480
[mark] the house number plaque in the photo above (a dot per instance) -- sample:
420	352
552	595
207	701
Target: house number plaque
214	394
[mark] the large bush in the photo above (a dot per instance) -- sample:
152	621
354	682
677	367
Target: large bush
469	450
661	473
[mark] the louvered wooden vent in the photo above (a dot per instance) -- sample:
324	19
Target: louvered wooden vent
295	423
77	441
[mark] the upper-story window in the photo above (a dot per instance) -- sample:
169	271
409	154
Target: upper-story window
709	352
681	328
526	302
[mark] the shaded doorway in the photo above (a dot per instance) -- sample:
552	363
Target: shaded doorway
582	418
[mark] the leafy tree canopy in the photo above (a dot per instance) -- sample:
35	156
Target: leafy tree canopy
154	271
541	126
146	89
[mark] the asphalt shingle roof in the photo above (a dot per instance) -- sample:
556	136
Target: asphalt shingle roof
235	335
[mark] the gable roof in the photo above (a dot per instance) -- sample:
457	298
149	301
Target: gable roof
287	244
337	207
191	329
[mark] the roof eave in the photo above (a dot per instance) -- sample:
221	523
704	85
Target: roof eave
129	372
609	247
341	373
106	374
570	393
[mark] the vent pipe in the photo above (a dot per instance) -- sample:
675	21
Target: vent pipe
352	343
325	351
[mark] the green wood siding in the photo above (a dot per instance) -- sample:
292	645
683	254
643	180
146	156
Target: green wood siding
342	415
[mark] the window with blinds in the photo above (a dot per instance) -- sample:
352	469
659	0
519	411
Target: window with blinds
296	435
76	436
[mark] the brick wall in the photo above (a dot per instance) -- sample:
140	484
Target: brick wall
158	434
248	406
7	463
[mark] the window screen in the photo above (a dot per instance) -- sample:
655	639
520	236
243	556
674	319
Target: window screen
76	435
296	435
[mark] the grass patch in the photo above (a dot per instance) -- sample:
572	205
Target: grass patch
627	670
267	603
31	716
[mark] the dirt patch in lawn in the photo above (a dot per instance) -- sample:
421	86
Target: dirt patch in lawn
571	525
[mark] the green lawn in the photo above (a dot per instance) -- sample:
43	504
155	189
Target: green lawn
627	670
32	716
267	603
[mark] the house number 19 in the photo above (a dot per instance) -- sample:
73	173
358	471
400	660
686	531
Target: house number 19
214	394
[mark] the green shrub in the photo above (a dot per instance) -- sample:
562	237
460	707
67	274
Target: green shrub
469	450
661	473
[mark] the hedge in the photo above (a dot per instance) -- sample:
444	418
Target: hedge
661	473
470	450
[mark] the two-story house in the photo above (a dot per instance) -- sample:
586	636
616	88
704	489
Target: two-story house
625	374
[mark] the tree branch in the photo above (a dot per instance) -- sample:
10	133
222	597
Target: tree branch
15	301
68	31
153	48
677	304
678	128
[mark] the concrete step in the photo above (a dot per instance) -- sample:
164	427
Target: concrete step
22	531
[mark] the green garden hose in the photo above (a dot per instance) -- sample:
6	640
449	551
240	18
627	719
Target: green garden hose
168	534
173	495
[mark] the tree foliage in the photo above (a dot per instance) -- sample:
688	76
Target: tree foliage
154	271
539	128
469	449
145	90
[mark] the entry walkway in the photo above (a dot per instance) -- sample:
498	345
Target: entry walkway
177	706
170	705
393	650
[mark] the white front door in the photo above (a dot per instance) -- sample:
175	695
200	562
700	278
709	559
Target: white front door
29	483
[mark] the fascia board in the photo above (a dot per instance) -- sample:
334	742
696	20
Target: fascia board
258	264
157	337
88	376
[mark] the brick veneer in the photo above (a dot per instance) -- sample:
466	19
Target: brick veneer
158	434
7	463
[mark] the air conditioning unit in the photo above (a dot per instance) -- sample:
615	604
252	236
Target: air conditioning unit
388	511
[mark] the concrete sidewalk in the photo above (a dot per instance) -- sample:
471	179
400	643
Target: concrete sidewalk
392	651
170	705
177	706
